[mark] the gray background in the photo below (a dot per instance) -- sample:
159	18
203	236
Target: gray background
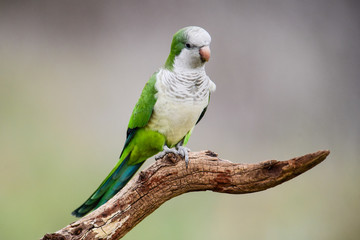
287	76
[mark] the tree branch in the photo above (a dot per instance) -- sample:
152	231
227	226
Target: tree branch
169	177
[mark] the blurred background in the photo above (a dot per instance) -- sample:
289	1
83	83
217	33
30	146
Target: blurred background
288	83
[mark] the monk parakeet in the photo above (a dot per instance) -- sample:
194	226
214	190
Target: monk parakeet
172	102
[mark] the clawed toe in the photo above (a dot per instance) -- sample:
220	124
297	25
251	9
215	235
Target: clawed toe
165	151
184	152
180	150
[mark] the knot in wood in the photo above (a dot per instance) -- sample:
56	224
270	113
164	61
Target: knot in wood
172	158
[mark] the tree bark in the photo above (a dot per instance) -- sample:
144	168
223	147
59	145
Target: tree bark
169	177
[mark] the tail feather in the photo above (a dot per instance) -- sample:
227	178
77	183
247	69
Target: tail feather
115	181
124	177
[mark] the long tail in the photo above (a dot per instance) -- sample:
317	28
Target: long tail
115	181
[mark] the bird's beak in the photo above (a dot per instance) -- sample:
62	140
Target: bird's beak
205	53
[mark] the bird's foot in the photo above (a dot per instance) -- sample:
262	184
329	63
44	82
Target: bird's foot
180	150
184	152
165	151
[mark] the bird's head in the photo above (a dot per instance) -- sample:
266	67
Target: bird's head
190	49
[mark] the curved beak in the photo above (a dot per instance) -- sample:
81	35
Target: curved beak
205	53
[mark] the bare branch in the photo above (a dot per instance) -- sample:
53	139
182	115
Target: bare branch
169	177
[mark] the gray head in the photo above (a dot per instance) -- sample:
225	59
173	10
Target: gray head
189	49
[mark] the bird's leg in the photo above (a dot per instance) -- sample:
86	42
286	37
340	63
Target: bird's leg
183	151
165	151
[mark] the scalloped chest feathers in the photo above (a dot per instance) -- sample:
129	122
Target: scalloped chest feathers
181	98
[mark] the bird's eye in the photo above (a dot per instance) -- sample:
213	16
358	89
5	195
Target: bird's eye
188	45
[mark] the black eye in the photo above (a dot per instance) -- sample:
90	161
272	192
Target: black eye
188	45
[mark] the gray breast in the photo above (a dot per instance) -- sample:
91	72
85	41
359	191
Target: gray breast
191	86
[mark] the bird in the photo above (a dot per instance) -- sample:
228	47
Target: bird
173	101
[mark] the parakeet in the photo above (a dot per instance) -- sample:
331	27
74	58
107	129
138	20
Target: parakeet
172	102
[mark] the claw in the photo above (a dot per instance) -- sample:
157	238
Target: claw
184	152
180	150
165	151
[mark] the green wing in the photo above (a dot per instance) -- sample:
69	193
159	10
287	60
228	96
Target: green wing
126	168
143	108
203	112
187	136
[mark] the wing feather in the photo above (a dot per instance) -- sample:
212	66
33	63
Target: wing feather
144	107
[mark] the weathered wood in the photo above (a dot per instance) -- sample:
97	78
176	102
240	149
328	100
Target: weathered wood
169	177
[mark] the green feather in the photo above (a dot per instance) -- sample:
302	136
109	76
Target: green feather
140	144
177	44
203	112
144	107
144	144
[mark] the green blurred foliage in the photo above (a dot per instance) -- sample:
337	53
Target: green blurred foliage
287	75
